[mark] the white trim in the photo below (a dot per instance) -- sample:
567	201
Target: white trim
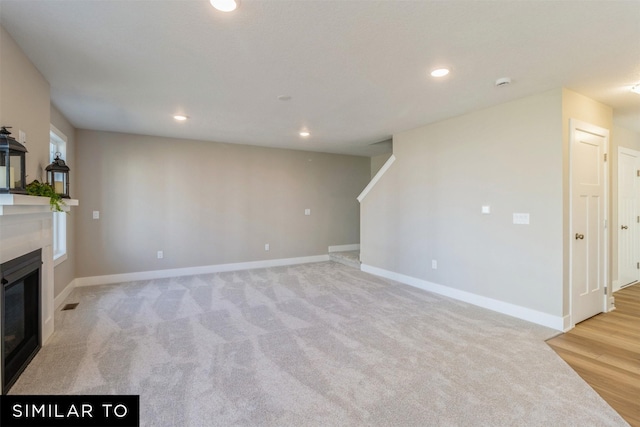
376	177
57	301
59	258
18	204
191	271
344	248
58	133
534	316
59	237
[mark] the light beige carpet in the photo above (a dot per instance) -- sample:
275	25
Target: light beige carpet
310	345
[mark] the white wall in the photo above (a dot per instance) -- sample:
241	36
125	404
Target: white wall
626	138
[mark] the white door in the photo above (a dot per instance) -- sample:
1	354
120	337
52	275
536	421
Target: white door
628	217
588	145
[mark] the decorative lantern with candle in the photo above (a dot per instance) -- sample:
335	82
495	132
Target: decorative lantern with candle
12	164
58	176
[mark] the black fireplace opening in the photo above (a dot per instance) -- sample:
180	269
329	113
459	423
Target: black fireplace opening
20	306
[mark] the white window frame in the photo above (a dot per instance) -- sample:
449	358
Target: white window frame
58	144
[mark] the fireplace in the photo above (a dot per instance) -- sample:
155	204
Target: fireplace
26	227
20	302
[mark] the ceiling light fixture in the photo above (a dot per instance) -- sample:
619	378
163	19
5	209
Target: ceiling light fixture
180	118
636	89
304	133
440	72
225	5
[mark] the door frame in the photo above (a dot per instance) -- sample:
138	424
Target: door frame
575	125
616	285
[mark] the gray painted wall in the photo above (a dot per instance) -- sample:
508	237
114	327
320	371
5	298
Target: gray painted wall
377	162
205	203
512	157
25	105
428	204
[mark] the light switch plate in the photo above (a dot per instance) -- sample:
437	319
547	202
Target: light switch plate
486	209
307	211
521	218
96	214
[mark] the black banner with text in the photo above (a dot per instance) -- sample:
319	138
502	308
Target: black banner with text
70	411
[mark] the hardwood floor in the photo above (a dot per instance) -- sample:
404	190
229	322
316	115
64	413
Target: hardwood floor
605	352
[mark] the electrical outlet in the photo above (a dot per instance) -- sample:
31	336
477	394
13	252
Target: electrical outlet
266	246
486	210
307	211
160	254
96	214
434	264
22	137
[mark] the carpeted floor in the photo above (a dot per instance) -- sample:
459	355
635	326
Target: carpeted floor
310	345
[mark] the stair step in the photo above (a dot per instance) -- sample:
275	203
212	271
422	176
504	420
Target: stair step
350	258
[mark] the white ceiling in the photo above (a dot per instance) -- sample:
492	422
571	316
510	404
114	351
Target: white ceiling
357	71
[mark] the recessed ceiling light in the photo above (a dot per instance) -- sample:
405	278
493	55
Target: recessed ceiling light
180	117
304	133
225	5
440	72
636	89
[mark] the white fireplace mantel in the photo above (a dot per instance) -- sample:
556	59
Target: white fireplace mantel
26	225
18	204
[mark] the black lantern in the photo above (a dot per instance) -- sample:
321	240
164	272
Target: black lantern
58	176
12	164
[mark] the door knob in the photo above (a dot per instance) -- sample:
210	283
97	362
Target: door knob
579	236
624	227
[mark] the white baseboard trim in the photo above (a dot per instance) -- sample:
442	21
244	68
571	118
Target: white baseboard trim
540	318
191	271
57	301
343	248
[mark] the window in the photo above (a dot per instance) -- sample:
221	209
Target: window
58	144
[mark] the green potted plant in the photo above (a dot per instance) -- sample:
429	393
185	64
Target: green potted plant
37	188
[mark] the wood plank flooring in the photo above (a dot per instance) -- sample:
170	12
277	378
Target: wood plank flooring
605	352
